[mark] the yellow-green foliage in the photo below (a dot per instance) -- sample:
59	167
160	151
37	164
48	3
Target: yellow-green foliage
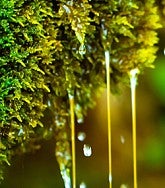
50	49
25	47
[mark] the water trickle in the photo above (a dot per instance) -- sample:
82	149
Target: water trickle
66	177
133	83
63	157
81	136
87	149
107	63
72	124
122	139
83	185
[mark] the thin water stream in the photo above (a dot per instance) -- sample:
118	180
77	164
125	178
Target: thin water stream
72	123
133	83
107	62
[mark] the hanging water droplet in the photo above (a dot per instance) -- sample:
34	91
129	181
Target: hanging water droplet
80	120
123	186
21	132
67	9
82	49
122	139
81	136
49	103
87	149
79	114
83	185
133	77
110	178
164	51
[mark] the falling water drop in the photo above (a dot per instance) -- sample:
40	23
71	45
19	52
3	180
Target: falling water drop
80	120
133	83
122	139
123	186
81	136
83	185
87	149
164	51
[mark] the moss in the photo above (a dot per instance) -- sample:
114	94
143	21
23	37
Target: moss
52	48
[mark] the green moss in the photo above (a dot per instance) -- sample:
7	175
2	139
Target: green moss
52	48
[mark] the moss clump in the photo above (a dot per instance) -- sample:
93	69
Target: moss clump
50	49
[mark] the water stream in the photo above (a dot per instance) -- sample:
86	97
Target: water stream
133	83
107	62
72	124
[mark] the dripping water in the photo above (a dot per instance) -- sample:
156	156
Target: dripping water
107	62
133	83
65	176
82	185
87	149
123	186
122	139
72	124
82	49
21	132
81	136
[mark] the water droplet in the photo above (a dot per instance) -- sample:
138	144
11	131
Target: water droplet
21	132
164	51
49	103
87	149
83	185
110	178
122	139
123	186
81	136
79	114
133	77
67	9
82	49
80	120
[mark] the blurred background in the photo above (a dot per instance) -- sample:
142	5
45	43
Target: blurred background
40	169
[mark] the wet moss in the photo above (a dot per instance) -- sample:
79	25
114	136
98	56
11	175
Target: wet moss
52	48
